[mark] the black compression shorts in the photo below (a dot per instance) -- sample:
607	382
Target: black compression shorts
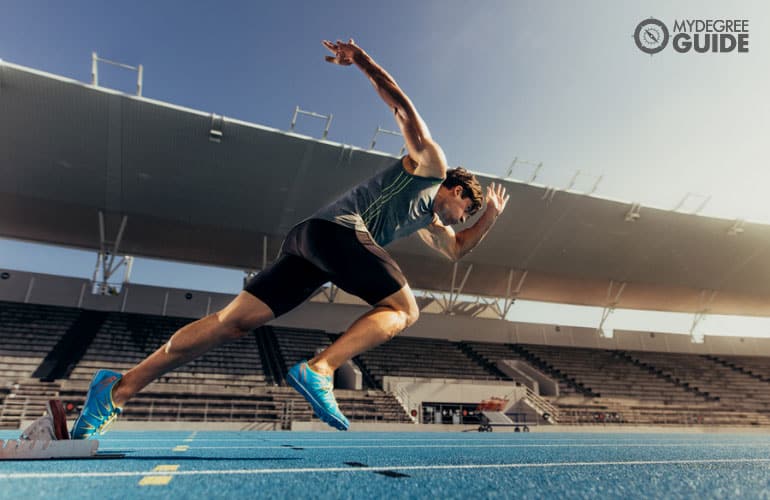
317	251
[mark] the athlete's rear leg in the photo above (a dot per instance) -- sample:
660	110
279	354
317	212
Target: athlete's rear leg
245	313
110	390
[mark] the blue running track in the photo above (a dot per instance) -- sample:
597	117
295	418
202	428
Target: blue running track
402	465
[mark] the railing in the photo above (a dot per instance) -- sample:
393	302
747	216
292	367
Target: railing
541	404
402	396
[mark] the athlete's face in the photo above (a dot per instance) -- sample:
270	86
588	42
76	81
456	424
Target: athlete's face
453	208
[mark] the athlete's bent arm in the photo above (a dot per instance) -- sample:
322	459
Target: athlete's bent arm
456	245
426	155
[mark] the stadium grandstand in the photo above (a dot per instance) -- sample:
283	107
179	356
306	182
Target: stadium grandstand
123	175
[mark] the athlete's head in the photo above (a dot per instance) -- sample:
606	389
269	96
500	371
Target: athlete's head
459	197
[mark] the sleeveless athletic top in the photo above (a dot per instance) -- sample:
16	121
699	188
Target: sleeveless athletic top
390	205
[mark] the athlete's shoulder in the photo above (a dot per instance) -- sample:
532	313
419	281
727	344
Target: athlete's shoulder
430	162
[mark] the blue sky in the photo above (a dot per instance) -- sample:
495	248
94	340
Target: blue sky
557	82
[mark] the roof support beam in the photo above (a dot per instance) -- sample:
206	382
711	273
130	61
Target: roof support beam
448	300
696	329
609	308
510	295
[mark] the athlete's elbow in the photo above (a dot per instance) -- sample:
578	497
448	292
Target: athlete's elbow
457	252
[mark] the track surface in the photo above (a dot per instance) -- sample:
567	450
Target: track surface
402	465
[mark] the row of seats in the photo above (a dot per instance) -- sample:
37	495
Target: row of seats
729	385
124	340
296	344
612	376
28	332
652	380
416	357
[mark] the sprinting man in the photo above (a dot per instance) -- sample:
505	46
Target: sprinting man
342	243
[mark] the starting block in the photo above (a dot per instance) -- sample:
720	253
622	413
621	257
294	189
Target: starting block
20	449
48	438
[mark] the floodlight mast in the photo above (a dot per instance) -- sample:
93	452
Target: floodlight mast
516	161
298	111
381	130
95	59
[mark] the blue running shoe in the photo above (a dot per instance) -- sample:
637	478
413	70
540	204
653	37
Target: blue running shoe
99	411
317	389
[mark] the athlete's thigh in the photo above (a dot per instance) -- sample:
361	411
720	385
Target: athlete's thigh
246	311
286	283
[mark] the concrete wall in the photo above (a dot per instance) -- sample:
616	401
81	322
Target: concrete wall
74	292
442	390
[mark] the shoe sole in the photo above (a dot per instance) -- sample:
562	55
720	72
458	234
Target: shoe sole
309	397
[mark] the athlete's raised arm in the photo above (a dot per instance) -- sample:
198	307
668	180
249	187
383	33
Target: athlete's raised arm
427	156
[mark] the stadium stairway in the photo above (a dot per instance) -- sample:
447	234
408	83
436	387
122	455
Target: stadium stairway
483	361
70	348
366	377
735	367
273	364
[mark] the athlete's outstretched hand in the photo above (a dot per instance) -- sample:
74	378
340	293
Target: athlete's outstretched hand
497	198
343	52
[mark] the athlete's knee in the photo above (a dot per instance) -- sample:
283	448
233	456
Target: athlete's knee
407	316
242	315
412	315
234	326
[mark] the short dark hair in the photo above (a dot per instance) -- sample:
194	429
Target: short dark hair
471	187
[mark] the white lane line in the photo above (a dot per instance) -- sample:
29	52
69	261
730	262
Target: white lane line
306	470
283	440
487	445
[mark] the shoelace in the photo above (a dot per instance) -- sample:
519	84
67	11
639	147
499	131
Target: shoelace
328	389
109	417
107	423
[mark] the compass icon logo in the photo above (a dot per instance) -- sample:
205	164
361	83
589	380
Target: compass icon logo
651	36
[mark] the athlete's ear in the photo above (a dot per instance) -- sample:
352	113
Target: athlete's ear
457	190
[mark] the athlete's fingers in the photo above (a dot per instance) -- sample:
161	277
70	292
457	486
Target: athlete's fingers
329	45
331	59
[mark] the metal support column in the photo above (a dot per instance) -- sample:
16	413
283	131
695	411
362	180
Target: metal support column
105	261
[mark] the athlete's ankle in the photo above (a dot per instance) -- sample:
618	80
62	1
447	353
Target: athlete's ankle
321	367
120	393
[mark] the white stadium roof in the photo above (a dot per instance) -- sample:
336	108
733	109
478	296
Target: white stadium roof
69	150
